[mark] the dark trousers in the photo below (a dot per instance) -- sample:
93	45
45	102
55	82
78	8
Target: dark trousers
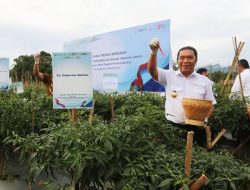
199	134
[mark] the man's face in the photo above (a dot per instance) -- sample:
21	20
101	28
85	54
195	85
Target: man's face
240	68
186	62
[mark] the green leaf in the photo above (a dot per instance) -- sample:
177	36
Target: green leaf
185	187
99	159
33	155
109	146
165	183
232	185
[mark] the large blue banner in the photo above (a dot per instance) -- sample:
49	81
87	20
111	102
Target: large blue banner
119	58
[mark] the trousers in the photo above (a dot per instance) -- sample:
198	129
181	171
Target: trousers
199	134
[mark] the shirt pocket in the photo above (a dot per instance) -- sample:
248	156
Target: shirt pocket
176	88
199	92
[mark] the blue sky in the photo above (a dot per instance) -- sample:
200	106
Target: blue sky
28	26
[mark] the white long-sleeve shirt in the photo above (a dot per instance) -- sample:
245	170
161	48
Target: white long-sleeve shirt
245	80
195	86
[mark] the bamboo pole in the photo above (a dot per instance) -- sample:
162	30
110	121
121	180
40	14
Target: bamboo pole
199	182
74	115
188	157
234	43
91	115
230	70
241	87
208	133
238	50
235	50
218	137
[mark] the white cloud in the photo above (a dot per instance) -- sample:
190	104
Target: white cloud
29	26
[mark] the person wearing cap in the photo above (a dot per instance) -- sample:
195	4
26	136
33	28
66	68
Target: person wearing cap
183	83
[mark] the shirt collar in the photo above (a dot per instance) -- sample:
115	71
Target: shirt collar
178	72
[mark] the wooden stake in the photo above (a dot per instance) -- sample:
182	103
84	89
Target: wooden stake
231	69
188	157
218	137
208	133
199	182
74	115
91	116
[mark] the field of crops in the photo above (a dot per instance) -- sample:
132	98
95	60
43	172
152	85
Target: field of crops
136	149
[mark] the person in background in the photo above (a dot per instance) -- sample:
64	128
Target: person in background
204	71
183	83
44	77
245	79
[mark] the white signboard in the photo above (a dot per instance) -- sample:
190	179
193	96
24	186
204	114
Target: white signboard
72	80
17	87
4	74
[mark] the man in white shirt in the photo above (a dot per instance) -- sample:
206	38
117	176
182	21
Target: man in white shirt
184	83
245	79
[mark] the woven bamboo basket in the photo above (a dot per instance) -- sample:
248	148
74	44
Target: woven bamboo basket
196	110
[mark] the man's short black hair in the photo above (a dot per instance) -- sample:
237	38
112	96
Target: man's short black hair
244	63
201	70
188	48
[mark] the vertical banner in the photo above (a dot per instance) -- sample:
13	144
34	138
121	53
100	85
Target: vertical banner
123	55
72	80
4	74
